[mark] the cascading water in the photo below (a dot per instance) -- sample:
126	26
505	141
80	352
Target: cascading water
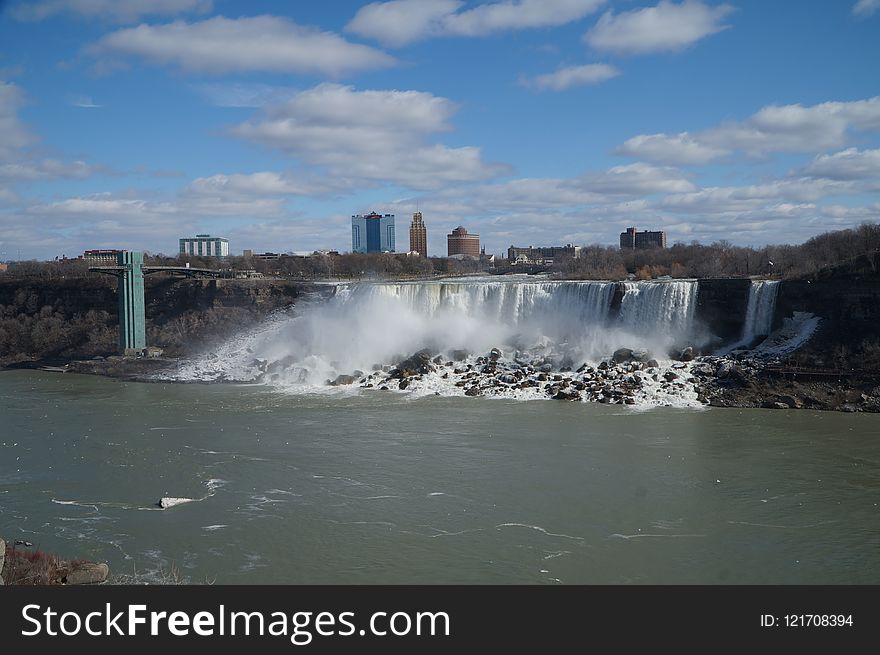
660	308
759	313
368	325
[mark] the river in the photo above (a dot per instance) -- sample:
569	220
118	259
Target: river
364	486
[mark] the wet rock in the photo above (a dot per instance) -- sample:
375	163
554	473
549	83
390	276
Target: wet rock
507	378
686	355
772	404
789	401
495	354
403	384
567	395
473	391
438	359
652	363
459	355
383	388
342	379
88	573
669	376
622	355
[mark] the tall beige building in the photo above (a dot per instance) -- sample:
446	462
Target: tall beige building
418	235
462	243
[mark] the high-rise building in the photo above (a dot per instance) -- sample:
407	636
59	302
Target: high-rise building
372	233
418	235
631	239
204	245
462	243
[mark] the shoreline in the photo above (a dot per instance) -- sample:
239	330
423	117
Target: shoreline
703	381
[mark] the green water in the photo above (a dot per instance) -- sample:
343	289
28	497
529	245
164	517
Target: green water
383	488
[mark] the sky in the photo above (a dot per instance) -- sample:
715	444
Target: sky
132	123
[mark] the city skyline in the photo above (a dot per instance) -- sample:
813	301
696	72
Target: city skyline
751	122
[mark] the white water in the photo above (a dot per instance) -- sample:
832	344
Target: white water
759	313
373	324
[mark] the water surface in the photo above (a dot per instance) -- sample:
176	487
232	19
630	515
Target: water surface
381	487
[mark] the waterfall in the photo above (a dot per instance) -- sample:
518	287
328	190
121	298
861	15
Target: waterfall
660	307
759	313
366	325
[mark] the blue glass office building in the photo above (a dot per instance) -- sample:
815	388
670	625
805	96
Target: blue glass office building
372	233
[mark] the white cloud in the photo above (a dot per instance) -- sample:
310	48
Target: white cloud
636	179
849	164
241	186
84	102
566	78
14	135
738	199
243	94
679	149
775	128
372	135
866	7
45	169
400	22
122	11
238	45
666	27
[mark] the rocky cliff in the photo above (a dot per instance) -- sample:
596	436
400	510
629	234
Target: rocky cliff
77	318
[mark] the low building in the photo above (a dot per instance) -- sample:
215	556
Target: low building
459	242
541	255
633	240
101	257
204	245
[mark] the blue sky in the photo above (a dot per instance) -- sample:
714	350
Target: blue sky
130	123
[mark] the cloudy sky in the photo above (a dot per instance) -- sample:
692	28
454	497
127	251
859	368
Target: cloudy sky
130	123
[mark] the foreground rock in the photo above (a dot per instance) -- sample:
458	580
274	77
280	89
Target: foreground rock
27	567
170	501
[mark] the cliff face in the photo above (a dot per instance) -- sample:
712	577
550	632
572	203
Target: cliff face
721	306
78	317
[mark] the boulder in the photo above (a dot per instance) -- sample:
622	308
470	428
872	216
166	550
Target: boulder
404	383
342	379
772	404
669	376
567	395
473	391
495	354
790	401
88	573
622	355
652	363
686	355
170	501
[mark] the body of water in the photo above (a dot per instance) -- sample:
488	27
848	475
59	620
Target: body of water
364	486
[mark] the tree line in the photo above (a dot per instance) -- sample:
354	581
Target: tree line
718	259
